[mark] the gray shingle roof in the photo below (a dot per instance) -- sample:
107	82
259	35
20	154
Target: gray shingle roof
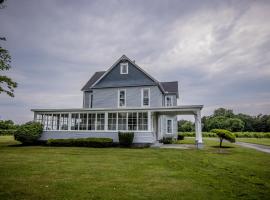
170	87
92	80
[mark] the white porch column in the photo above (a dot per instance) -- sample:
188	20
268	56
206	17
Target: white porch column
198	129
69	121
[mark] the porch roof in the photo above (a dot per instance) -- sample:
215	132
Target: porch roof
183	109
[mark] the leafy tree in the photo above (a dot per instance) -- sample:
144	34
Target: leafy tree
224	134
6	124
7	85
223	112
185	126
234	124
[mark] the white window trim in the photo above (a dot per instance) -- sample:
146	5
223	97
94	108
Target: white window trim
118	98
121	67
143	97
171	97
169	119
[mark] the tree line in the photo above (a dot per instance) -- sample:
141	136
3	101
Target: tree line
223	118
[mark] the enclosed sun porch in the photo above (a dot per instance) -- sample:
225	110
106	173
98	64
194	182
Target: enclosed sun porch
149	124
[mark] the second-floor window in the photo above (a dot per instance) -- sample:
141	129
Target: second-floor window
145	97
122	98
124	68
169	101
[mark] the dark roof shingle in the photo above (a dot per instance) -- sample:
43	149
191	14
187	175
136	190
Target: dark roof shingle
92	80
170	87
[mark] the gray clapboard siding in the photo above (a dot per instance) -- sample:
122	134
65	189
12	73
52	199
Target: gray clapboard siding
108	97
174	99
139	137
135	77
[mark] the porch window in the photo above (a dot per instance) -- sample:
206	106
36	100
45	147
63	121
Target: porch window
142	121
124	68
100	121
145	97
122	98
47	122
55	121
83	120
122	121
39	118
74	121
112	117
91	121
132	121
64	122
169	101
169	126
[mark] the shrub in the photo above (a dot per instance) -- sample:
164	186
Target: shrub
126	138
7	132
167	140
180	137
224	134
29	133
81	142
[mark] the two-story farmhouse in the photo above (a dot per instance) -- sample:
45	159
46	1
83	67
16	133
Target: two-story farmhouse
123	98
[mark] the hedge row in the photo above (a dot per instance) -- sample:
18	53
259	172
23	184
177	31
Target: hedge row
237	134
81	142
7	132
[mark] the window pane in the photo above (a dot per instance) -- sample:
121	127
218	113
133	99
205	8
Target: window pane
112	121
100	121
64	122
143	121
169	126
83	120
146	97
122	121
55	121
74	121
122	100
91	121
132	121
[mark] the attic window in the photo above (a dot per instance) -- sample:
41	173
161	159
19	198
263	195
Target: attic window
124	68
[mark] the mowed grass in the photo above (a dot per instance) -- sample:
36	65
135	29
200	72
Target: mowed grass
39	172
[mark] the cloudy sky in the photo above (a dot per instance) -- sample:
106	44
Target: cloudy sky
219	51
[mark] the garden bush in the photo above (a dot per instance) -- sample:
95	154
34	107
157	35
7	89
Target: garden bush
7	132
29	133
167	140
224	134
180	137
126	138
81	142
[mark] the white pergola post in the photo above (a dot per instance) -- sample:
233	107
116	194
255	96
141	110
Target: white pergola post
198	129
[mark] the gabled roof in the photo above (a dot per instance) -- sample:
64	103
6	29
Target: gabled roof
92	80
165	87
124	57
170	87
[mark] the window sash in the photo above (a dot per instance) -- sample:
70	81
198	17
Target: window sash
122	98
169	126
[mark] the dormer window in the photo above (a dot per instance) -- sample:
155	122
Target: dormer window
124	68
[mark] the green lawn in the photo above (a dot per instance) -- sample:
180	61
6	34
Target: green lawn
264	141
118	173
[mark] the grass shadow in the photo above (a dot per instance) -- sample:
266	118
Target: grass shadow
223	147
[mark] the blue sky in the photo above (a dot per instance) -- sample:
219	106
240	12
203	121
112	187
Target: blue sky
219	51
